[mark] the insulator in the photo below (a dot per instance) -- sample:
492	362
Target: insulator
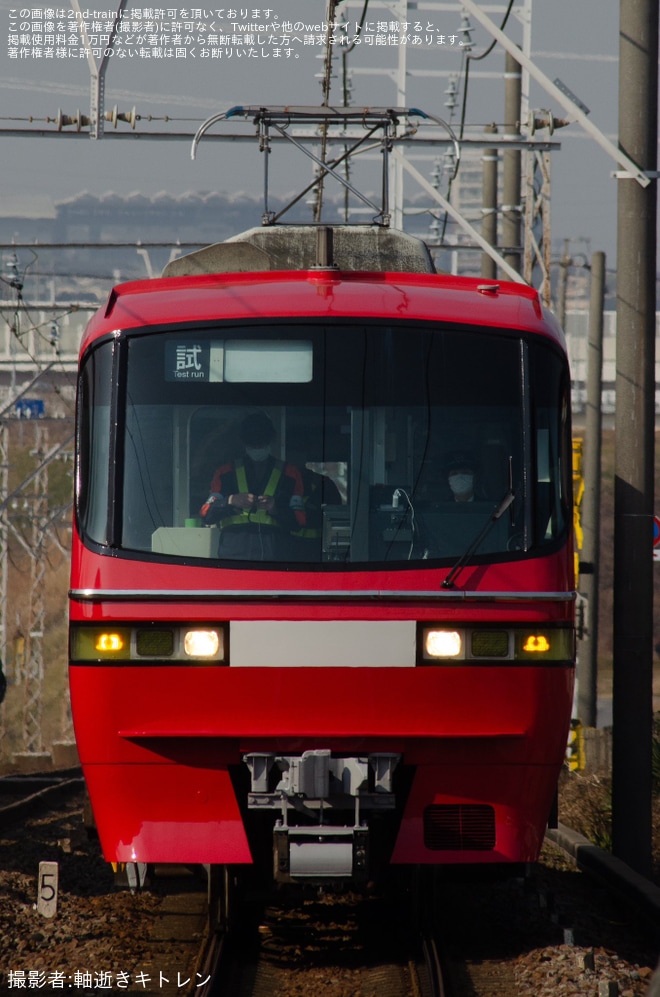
82	121
131	117
116	115
465	30
541	118
449	161
62	120
15	280
111	116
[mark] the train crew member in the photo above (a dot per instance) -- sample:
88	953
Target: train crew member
461	474
256	501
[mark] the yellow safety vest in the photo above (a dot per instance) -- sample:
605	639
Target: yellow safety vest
246	516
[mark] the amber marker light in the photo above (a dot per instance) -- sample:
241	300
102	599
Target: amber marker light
553	645
100	645
109	642
203	644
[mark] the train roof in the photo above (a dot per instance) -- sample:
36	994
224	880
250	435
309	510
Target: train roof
318	294
259	288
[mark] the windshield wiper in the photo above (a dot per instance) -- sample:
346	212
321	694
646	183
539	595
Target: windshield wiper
483	533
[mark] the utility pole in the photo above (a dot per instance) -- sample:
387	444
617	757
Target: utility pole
589	576
562	283
34	673
511	160
489	205
635	431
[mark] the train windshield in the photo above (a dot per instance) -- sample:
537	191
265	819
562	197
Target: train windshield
345	445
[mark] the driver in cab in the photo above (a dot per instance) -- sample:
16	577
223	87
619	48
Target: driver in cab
257	501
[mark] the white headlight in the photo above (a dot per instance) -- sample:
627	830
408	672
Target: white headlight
203	643
443	644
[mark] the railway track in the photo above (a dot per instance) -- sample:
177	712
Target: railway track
24	795
334	944
403	945
482	941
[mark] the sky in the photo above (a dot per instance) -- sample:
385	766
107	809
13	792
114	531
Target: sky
575	40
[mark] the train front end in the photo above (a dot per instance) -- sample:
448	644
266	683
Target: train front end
388	680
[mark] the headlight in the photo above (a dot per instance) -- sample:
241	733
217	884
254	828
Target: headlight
203	643
443	644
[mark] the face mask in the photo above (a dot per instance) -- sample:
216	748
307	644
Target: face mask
258	454
461	484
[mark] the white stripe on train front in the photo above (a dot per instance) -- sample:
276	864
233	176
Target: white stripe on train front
322	643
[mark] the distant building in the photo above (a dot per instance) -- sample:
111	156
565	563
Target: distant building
577	336
27	218
120	221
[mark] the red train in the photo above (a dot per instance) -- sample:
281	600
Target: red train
322	592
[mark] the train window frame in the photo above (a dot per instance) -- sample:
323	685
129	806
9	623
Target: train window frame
95	458
529	545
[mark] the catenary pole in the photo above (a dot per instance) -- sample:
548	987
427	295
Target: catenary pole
589	576
562	283
489	205
511	176
635	428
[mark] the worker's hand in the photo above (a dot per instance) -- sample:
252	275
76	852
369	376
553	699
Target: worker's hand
242	501
266	502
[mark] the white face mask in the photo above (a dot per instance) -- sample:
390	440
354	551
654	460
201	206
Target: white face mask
461	484
258	454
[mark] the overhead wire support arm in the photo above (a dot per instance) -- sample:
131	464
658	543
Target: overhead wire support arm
456	215
631	168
